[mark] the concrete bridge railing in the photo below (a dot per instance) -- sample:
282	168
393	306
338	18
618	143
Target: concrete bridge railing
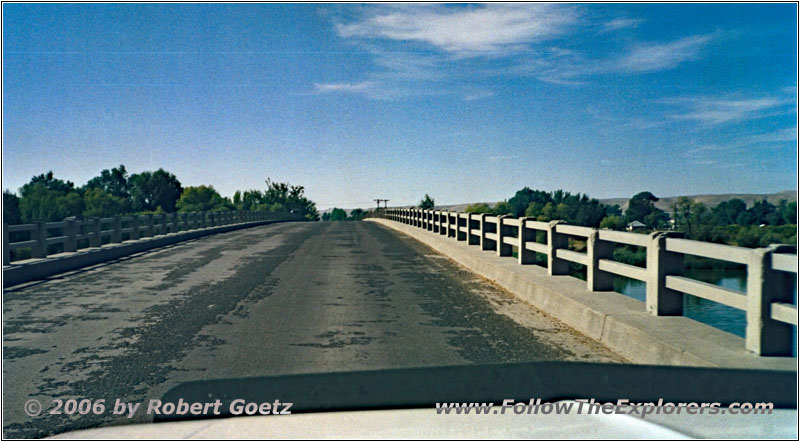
769	303
81	243
71	231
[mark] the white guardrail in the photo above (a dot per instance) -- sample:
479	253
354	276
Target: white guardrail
769	303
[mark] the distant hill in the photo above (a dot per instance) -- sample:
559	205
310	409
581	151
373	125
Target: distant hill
712	200
665	203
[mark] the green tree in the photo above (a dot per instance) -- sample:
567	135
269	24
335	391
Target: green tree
338	214
524	197
727	212
478	208
614	210
290	198
201	199
113	182
690	216
502	208
614	222
49	182
151	190
47	199
357	214
100	203
11	213
789	212
762	212
641	207
426	203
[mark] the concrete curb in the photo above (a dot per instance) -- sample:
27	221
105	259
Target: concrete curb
617	321
36	269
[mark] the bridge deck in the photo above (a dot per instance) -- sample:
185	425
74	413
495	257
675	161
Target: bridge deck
284	298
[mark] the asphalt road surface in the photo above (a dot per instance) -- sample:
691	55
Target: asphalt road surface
271	300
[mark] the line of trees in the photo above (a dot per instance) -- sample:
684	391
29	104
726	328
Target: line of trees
115	192
730	222
338	214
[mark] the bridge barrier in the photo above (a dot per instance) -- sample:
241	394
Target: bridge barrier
769	303
95	240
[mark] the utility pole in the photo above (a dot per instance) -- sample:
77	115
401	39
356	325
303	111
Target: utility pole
378	200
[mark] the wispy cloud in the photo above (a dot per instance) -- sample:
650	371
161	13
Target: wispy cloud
571	68
465	31
478	95
343	87
621	23
651	57
788	135
440	49
710	110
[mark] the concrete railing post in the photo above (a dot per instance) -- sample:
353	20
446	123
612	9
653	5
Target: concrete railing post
503	249
473	222
596	249
486	243
135	233
95	239
659	300
6	245
555	241
39	250
435	224
164	228
151	231
451	228
764	335
71	232
116	235
525	235
461	222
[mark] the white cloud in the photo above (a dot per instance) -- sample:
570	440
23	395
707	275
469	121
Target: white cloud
478	95
661	56
570	68
466	31
523	40
717	111
343	87
784	136
621	23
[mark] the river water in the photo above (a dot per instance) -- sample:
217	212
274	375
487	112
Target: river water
720	316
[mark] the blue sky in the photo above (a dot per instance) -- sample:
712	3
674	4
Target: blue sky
355	102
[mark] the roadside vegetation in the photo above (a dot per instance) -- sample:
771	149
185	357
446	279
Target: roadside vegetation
338	214
730	222
115	192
